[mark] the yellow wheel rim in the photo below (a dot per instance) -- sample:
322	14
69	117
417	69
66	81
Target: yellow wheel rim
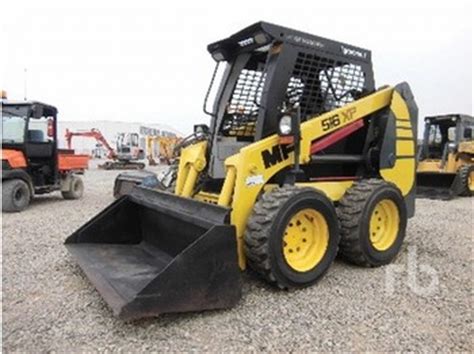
384	224
305	240
470	181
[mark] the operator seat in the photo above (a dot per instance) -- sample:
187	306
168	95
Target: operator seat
37	146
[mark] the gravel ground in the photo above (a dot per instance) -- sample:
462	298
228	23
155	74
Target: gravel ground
421	303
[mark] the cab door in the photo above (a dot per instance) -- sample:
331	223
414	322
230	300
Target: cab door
41	152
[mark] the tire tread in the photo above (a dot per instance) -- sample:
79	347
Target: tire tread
350	210
259	225
463	174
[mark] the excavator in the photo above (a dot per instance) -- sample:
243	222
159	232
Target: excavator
304	159
124	157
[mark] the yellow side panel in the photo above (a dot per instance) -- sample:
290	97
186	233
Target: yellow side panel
403	124
452	165
333	190
402	174
399	107
467	147
404	133
405	148
456	161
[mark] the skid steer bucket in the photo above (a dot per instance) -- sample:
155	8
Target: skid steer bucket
151	252
434	185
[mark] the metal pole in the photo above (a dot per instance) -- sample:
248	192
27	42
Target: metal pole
25	79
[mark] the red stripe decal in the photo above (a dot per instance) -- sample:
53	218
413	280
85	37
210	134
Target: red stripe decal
338	135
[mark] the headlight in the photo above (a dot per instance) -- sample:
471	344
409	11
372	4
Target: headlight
285	125
201	129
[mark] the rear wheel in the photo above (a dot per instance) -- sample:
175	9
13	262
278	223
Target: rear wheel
16	195
292	236
373	220
76	189
466	178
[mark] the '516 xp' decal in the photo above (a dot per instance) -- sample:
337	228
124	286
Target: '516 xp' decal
335	120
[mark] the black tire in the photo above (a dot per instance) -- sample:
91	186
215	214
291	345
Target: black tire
266	228
355	210
465	180
16	195
76	189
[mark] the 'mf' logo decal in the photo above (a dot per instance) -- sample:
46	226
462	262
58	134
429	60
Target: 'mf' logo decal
277	154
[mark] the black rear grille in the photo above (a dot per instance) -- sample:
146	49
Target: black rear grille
322	84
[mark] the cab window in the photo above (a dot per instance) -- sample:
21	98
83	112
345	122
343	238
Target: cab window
468	134
435	135
452	134
38	130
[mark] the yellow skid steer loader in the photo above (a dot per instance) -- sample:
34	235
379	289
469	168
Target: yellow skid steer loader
304	158
446	157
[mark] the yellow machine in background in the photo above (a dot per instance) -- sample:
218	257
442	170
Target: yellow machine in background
161	148
446	157
304	159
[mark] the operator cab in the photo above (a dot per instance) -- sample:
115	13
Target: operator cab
129	147
30	127
267	68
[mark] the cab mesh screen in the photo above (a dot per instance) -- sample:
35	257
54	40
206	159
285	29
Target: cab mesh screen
318	84
322	84
242	111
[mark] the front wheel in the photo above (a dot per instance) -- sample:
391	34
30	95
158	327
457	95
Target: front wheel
16	195
466	178
292	236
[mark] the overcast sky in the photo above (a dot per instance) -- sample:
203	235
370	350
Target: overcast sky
115	62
